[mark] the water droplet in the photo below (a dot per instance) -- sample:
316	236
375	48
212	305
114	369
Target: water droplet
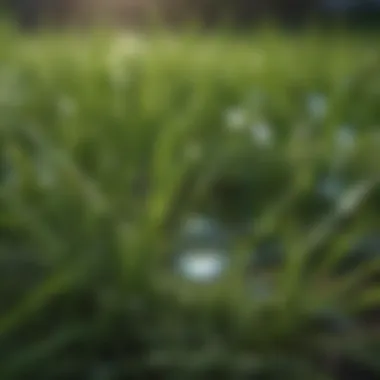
202	265
203	254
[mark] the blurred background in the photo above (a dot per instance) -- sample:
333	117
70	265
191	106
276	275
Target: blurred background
190	189
30	13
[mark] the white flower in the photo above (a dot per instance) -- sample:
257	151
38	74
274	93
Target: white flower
202	264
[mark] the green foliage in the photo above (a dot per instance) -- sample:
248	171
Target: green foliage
110	142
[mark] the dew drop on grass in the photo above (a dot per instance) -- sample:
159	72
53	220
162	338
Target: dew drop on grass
203	255
202	265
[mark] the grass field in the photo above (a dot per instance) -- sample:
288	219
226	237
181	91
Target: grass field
189	205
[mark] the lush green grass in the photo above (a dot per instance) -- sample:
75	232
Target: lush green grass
109	142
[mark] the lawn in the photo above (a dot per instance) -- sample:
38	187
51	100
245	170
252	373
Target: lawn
187	205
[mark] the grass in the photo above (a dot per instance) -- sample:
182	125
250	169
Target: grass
110	142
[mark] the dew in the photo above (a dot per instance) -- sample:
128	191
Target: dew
202	250
202	265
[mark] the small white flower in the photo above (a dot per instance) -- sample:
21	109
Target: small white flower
202	264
